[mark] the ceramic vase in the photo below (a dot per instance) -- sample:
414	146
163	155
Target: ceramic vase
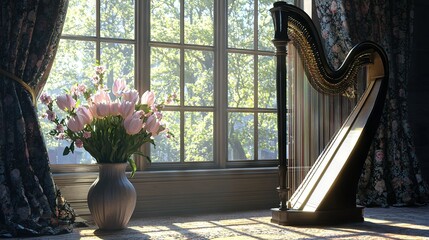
112	197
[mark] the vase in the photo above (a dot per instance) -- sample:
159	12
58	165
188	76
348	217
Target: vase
112	197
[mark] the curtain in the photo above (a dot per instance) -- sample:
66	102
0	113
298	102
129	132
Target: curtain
29	36
391	174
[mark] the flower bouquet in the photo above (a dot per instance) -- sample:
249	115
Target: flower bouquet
111	130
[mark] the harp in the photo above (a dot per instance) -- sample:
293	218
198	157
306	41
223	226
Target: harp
327	195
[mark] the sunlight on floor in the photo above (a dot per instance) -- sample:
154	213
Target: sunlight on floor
380	223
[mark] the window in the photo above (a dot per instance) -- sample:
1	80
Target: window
217	56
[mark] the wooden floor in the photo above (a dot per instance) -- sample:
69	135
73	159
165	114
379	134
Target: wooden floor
380	223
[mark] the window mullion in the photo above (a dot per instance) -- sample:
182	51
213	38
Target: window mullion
97	30
255	82
182	81
142	59
221	84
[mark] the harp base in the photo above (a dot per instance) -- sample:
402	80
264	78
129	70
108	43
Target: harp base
292	217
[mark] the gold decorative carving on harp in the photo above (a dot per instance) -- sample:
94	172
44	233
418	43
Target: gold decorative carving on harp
327	195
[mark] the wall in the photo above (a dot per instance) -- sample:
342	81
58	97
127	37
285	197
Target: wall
418	94
169	193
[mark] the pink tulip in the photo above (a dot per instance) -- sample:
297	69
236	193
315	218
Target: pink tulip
126	108
148	98
133	123
75	124
60	128
84	115
78	143
103	109
118	87
66	102
45	99
51	115
131	96
101	97
114	108
78	90
86	134
100	70
93	110
152	125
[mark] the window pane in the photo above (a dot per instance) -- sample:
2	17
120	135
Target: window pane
198	136
165	20
199	78
74	63
80	18
240	80
199	22
265	26
119	61
266	82
267	136
165	71
240	136
117	18
167	150
240	24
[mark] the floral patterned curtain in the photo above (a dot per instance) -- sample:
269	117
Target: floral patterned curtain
391	175
29	35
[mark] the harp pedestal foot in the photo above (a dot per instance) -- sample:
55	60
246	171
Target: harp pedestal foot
292	217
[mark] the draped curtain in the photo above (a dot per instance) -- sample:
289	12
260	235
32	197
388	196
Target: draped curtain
29	36
391	174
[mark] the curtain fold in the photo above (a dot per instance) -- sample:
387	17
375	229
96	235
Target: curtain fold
391	174
29	36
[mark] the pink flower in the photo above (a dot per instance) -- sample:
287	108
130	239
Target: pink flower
101	97
78	143
75	124
152	125
51	115
133	123
114	109
100	70
103	109
78	90
60	128
158	115
131	96
171	98
148	98
126	108
45	99
93	110
66	102
86	134
60	136
154	108
84	115
118	87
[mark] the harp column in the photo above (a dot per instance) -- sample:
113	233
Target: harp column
280	41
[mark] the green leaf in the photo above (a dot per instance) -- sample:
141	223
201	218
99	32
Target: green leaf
133	166
72	147
143	155
66	151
